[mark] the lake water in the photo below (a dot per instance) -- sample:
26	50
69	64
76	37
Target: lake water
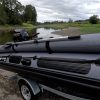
45	33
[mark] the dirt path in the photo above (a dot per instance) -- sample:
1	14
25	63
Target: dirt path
8	88
68	31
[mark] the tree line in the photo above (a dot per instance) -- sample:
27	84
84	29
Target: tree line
94	19
13	12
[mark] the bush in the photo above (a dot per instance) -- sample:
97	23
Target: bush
94	19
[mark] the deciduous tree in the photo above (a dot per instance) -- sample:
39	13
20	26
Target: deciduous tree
94	19
30	14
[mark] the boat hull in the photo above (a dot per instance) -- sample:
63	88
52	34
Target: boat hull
83	44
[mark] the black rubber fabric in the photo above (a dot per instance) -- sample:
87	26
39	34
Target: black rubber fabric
64	65
48	47
74	37
26	61
15	59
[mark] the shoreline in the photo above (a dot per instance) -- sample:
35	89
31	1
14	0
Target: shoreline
70	31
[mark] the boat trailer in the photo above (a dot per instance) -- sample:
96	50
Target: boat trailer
55	65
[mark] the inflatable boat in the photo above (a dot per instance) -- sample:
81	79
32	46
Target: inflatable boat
69	64
74	44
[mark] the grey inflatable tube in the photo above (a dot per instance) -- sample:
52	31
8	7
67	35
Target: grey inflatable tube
89	43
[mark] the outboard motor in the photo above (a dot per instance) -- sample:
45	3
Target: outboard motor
20	35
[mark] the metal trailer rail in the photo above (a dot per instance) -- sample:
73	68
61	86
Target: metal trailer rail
70	83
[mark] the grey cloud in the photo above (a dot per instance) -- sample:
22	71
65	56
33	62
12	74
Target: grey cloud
49	10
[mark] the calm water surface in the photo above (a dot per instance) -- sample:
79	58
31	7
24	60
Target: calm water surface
45	33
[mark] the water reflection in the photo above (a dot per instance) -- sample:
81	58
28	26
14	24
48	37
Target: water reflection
45	33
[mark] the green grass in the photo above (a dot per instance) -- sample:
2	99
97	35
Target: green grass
90	29
6	31
28	26
24	25
5	37
54	26
85	28
64	25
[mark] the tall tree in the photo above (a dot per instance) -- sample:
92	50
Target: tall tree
3	15
13	8
30	14
13	12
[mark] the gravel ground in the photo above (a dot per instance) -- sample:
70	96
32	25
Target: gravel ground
8	88
70	31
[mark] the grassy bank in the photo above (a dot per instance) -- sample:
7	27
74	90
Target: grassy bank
6	31
11	27
54	26
90	29
85	28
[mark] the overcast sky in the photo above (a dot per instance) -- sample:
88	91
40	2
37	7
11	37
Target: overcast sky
50	10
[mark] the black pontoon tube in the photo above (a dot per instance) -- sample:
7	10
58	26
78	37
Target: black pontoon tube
81	44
